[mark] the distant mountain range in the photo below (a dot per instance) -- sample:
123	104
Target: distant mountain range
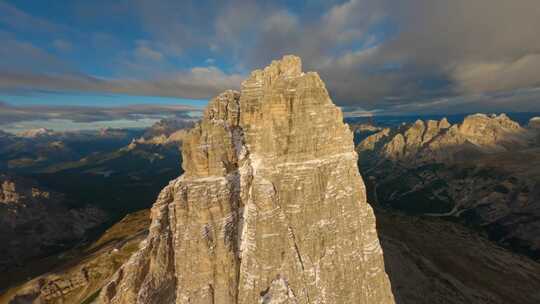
484	172
455	202
391	121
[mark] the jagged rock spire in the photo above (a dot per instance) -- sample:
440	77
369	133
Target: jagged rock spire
271	208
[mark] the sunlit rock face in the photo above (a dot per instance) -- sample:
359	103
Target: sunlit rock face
271	208
534	123
428	141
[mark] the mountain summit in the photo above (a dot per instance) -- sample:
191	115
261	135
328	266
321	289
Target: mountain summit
271	207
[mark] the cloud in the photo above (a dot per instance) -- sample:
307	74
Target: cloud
378	54
23	56
196	83
10	114
499	75
521	100
17	19
479	46
145	52
382	55
62	45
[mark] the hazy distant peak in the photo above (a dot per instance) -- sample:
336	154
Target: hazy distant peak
34	133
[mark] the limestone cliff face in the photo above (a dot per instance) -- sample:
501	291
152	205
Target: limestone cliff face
271	208
427	141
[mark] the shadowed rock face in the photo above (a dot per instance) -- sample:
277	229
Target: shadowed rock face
80	273
36	222
271	208
430	260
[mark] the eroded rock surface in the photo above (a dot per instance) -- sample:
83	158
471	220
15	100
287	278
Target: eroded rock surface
439	141
271	207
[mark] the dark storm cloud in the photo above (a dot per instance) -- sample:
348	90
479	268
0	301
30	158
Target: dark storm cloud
482	45
437	49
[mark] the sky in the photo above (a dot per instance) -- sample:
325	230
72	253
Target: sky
379	57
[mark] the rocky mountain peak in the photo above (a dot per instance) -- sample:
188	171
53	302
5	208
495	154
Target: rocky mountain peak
271	207
479	124
444	124
289	66
441	141
35	133
534	123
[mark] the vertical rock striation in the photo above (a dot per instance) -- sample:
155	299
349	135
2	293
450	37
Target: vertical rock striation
271	207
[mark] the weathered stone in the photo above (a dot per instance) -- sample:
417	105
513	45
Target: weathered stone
440	141
395	149
271	207
534	123
370	142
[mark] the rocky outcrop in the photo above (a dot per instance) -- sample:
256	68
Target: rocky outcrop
404	142
434	128
534	123
167	127
271	207
483	171
440	141
36	222
167	132
175	138
370	143
364	127
36	133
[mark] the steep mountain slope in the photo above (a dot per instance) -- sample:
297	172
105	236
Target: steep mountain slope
484	171
271	207
36	150
430	260
35	222
122	181
76	276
